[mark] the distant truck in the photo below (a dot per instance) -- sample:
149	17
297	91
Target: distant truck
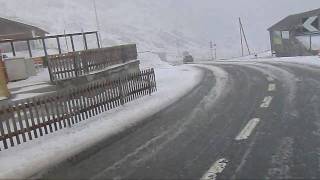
187	58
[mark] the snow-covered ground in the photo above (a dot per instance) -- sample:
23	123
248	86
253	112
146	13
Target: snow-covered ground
266	57
303	60
173	83
165	26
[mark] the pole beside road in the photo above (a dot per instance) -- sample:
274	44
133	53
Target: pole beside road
4	92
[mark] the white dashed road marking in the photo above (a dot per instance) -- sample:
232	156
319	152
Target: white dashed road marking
266	102
248	129
272	87
215	169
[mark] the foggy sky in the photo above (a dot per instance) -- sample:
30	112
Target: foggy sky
203	20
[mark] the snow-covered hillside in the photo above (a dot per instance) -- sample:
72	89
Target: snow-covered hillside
138	21
165	25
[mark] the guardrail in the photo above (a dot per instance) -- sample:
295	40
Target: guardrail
81	63
35	117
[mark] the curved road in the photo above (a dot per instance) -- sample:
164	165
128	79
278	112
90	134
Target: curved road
245	120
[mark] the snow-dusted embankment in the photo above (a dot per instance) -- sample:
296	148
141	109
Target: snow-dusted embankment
24	160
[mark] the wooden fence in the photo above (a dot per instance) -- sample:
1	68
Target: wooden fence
75	64
35	117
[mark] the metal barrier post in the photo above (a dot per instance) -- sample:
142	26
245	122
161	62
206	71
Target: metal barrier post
4	92
29	48
13	49
85	41
98	40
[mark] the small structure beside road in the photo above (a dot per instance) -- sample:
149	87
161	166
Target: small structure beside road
11	30
296	35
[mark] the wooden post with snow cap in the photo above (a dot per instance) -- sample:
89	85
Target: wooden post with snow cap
4	92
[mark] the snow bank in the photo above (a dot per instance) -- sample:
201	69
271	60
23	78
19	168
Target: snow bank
41	79
300	60
173	83
303	60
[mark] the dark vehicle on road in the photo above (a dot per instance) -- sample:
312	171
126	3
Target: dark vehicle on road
187	58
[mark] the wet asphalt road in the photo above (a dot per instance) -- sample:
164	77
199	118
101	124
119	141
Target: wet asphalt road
244	121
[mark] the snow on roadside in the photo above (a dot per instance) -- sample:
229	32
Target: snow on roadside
40	79
266	57
301	60
221	85
173	83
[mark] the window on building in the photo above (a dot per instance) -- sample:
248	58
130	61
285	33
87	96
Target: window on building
285	34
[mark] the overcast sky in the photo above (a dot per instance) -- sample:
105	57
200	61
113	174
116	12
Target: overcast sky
203	20
217	19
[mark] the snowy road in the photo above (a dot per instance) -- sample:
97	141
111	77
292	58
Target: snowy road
244	120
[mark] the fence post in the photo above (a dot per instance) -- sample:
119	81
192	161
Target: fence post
75	57
149	82
154	80
48	61
120	86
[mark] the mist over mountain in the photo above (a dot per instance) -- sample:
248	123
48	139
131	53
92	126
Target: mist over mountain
167	25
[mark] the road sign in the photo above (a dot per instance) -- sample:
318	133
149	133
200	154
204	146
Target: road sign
311	24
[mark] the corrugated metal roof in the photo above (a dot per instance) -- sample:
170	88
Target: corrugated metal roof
293	21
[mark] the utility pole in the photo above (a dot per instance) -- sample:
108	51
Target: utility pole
241	39
215	51
97	22
242	34
211	50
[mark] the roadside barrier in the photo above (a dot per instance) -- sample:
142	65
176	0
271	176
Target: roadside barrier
75	64
32	118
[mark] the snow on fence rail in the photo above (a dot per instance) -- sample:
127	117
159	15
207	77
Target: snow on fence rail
76	64
35	117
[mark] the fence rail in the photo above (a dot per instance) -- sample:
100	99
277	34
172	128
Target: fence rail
35	117
76	64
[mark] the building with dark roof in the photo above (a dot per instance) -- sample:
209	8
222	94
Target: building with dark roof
296	35
13	30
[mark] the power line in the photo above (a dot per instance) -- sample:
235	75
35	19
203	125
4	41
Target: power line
97	22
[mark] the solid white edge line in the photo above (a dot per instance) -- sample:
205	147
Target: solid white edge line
215	169
248	129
